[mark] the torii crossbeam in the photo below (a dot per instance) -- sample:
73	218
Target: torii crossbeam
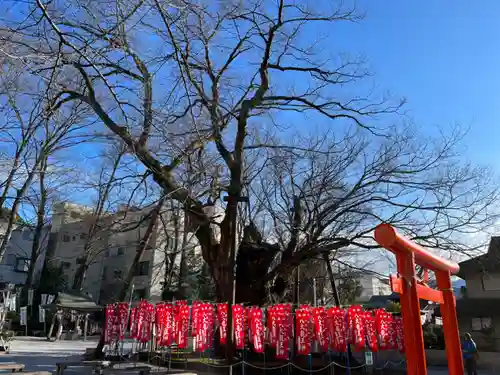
408	255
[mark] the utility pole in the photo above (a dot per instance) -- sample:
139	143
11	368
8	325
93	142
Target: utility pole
335	291
232	201
315	298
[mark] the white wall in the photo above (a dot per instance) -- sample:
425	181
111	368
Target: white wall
19	246
372	286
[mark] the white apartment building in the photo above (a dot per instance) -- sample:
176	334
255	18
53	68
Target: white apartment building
16	260
113	248
372	285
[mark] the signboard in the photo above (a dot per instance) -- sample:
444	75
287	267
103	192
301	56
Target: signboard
369	358
41	314
12	303
30	297
47	299
23	316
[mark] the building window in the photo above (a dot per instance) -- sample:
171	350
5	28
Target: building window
66	238
22	264
104	272
65	265
142	269
117	274
75	215
479	324
83	236
120	251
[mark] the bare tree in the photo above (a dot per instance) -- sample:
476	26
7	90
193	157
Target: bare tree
107	181
191	32
50	134
20	122
38	233
336	192
219	81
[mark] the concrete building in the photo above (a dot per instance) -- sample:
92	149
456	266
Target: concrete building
479	308
110	252
17	257
373	285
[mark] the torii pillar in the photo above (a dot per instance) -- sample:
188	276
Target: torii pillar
408	255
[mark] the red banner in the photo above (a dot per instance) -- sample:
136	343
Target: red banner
382	324
239	327
320	330
334	328
303	334
337	327
222	319
159	321
148	322
176	318
256	329
110	320
283	335
272	328
140	320
397	323
122	311
356	327
391	333
204	329
370	331
183	324
168	325
195	316
133	323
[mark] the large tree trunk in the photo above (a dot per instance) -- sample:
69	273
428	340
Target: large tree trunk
40	221
252	265
183	268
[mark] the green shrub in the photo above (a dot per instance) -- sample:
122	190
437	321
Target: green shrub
433	336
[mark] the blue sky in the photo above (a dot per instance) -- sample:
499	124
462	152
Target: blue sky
443	56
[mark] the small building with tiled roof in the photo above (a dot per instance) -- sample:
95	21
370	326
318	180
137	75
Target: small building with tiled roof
479	310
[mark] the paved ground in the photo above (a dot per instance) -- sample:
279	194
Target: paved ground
40	355
444	371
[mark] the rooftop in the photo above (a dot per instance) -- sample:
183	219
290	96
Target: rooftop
489	262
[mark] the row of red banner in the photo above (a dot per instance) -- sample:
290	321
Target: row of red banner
331	328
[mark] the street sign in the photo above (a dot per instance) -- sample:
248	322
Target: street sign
30	297
41	314
23	316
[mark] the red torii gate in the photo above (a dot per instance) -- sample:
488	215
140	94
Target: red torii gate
408	255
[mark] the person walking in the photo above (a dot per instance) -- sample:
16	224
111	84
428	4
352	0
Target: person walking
469	351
